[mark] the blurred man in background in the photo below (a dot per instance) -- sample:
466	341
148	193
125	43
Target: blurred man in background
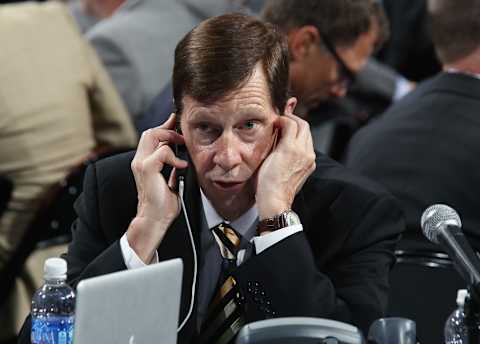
135	40
329	43
57	106
410	50
425	148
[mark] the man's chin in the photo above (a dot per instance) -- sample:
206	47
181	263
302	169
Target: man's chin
226	192
230	199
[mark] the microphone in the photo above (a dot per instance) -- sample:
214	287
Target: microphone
442	225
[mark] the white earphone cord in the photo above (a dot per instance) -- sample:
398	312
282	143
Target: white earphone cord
181	187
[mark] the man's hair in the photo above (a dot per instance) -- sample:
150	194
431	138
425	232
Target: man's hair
220	55
455	26
342	21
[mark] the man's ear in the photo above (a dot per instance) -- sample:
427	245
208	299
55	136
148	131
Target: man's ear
300	41
290	106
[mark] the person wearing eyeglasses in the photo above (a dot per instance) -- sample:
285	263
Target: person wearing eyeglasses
329	43
265	229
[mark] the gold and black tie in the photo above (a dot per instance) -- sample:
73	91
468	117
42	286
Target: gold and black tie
225	313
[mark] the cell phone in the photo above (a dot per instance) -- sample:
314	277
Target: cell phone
181	153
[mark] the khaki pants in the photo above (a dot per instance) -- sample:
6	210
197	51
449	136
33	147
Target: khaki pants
17	307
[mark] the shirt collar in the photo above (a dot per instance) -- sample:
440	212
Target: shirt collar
241	225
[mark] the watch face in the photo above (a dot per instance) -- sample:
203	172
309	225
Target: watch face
292	219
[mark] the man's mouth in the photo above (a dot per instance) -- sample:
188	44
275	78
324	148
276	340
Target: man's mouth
228	186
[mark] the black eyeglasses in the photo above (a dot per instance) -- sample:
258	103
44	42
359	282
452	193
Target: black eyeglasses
347	76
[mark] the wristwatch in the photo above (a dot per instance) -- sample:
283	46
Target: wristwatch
282	220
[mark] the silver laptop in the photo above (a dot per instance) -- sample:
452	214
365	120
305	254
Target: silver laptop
137	306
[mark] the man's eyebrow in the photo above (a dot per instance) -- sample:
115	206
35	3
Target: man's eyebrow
202	113
253	110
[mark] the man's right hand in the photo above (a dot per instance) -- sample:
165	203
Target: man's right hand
158	205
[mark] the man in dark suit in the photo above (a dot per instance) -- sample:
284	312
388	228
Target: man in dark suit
425	149
410	48
316	240
329	43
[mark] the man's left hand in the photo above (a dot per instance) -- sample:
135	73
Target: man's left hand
287	167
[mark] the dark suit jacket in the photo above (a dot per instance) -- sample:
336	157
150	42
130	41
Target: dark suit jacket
6	187
409	50
336	268
426	150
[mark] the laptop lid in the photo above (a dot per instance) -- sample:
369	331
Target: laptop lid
130	307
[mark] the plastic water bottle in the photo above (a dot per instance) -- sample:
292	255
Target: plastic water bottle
456	331
53	306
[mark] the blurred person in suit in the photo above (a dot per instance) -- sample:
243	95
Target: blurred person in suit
329	43
326	51
58	105
135	40
315	240
410	49
335	121
425	149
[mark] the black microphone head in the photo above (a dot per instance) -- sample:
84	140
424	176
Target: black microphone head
436	216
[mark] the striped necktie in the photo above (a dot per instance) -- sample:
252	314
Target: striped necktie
225	314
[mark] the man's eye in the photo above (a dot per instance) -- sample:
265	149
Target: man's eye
207	131
249	125
204	127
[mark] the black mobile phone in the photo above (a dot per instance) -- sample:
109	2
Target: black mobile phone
181	153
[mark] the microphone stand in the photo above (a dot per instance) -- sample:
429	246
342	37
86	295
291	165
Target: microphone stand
472	314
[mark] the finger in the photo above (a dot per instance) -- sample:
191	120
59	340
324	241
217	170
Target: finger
303	125
170	122
163	155
274	139
172	180
287	129
151	139
304	134
174	161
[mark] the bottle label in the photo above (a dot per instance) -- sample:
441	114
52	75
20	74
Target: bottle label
52	329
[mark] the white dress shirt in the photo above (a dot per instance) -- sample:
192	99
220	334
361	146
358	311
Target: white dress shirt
242	225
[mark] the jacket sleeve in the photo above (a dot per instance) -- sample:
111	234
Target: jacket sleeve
287	279
90	253
113	126
121	70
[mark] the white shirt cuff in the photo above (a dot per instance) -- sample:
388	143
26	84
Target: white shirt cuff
265	241
132	261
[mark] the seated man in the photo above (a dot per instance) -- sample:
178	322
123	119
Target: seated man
57	106
425	148
329	42
310	238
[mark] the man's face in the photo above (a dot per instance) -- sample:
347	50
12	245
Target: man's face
228	141
318	76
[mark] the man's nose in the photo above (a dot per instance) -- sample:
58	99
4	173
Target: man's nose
227	155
